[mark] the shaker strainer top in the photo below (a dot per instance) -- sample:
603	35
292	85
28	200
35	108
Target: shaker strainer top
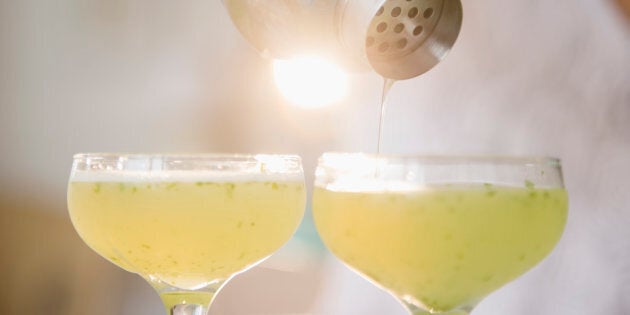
408	37
400	39
400	26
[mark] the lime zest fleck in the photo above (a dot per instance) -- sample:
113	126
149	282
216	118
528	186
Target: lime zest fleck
97	188
121	187
171	186
529	184
487	278
491	192
230	189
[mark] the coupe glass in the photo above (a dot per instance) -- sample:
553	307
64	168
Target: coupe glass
439	233
186	223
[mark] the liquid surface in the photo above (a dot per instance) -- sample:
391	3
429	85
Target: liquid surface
186	234
443	247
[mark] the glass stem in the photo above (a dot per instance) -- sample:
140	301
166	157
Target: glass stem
187	302
415	310
188	309
423	312
178	301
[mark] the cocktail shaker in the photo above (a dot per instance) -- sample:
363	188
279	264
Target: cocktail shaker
399	39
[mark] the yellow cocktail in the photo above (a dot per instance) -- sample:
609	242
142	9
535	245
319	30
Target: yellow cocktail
186	229
436	246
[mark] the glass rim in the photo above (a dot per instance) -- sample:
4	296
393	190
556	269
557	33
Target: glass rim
446	159
160	165
200	156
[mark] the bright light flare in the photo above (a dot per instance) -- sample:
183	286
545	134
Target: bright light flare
310	81
358	172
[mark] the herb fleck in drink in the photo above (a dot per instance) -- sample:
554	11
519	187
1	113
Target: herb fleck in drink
437	247
186	233
186	223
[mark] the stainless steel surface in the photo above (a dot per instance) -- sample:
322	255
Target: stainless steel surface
407	38
399	39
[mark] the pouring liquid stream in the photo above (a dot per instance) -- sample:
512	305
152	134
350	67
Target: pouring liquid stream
387	85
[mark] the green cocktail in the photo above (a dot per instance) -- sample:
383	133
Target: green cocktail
438	242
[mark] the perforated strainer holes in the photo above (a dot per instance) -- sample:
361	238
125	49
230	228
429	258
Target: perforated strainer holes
402	43
381	27
369	41
427	13
399	27
383	47
413	12
396	11
418	30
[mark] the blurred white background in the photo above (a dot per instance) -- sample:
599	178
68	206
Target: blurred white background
526	77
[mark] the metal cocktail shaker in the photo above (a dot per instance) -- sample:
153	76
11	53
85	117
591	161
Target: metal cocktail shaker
399	39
